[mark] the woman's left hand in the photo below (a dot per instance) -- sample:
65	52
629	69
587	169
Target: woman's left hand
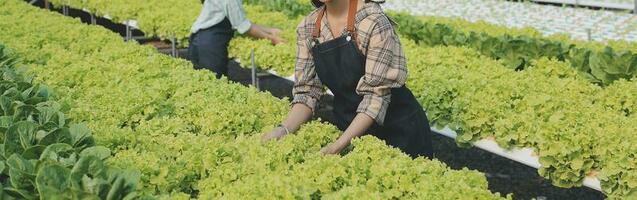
333	148
360	124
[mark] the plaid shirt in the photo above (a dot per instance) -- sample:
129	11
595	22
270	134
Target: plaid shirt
385	65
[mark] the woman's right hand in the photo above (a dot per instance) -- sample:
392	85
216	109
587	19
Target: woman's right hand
299	114
276	134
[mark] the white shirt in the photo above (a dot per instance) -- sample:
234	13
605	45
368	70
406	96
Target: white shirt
215	11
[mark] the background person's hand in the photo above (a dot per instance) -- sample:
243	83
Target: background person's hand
275	31
275	36
277	40
263	32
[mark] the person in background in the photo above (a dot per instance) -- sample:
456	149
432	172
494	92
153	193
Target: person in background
351	47
213	30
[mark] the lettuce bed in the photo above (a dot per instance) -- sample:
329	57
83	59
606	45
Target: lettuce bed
518	88
193	136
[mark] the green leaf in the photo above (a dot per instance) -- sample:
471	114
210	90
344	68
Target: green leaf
21	172
60	135
19	137
19	194
620	64
28	93
44	92
577	164
2	167
52	180
63	153
90	174
81	136
50	115
100	152
2	156
33	152
50	118
547	161
123	182
5	104
24	111
5	122
34	100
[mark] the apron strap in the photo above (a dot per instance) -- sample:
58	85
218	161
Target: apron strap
351	20
317	28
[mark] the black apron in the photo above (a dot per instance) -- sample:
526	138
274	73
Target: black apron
209	48
340	65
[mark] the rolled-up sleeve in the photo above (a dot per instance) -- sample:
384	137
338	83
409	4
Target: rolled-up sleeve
385	69
237	16
307	89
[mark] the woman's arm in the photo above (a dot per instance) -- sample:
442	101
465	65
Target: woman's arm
298	115
357	128
307	89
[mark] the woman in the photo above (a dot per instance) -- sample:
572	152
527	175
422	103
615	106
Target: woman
350	46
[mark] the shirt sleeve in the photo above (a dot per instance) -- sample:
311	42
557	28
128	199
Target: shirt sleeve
237	16
307	89
385	69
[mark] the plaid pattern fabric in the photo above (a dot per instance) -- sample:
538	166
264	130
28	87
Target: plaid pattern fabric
385	66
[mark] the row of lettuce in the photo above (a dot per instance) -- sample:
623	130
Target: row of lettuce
43	153
598	63
577	129
193	136
462	74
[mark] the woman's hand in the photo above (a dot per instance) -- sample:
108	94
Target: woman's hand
359	125
299	114
334	148
276	134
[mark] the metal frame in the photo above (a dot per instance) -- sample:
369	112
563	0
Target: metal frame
592	3
255	78
129	32
93	19
65	10
173	47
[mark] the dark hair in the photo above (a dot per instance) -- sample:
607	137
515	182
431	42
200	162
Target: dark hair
318	3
